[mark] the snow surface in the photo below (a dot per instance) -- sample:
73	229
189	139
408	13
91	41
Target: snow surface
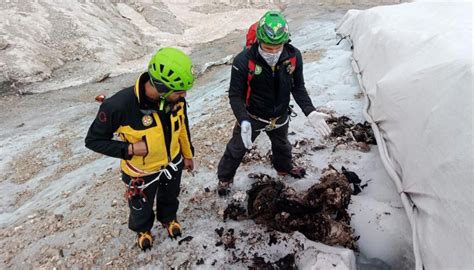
60	200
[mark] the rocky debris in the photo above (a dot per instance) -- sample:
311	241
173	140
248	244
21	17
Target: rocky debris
235	211
346	133
287	263
3	44
226	238
303	142
102	77
320	213
186	239
253	155
354	179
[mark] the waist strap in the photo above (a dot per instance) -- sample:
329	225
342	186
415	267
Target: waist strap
171	165
271	124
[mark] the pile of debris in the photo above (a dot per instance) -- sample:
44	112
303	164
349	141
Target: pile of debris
320	213
254	156
346	132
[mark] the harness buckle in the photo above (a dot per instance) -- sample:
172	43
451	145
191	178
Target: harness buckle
271	126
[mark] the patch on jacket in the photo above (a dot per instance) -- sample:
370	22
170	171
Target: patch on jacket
102	117
147	120
289	67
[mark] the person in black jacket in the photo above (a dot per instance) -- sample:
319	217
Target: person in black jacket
262	78
154	143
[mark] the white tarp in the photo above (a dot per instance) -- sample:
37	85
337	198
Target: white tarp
415	64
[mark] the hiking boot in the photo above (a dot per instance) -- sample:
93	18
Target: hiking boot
173	228
145	240
296	172
223	188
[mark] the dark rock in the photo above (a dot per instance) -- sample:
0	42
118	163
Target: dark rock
186	239
200	261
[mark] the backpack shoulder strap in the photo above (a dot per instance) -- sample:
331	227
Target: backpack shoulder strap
293	61
251	66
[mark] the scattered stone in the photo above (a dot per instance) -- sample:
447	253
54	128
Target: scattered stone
103	77
186	239
59	217
318	147
226	238
66	194
114	203
4	44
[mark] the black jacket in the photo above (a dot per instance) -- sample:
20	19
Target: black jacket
270	91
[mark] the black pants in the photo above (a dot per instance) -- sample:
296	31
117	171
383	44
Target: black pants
235	150
165	191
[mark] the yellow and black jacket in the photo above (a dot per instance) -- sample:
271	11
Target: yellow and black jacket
127	114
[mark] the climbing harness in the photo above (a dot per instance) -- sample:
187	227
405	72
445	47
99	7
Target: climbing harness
271	124
135	189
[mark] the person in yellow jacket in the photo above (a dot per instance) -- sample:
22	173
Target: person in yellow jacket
154	143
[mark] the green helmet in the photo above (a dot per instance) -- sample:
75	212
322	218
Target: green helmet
273	28
171	68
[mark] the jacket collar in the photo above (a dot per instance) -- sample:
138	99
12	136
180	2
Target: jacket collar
139	88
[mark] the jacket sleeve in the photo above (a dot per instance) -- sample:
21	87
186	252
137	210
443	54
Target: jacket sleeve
187	148
299	90
100	134
238	87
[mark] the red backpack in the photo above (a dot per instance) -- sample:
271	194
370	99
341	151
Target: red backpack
251	39
251	35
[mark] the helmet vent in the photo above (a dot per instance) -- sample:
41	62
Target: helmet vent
170	72
177	79
162	67
165	79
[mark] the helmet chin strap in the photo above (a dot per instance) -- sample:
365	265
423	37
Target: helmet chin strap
163	98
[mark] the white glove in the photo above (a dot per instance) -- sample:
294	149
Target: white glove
246	133
317	120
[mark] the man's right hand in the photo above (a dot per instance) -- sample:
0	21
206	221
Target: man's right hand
137	149
246	133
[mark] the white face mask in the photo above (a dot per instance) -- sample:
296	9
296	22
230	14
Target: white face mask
270	58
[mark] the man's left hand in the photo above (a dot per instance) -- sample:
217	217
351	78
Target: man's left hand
189	164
